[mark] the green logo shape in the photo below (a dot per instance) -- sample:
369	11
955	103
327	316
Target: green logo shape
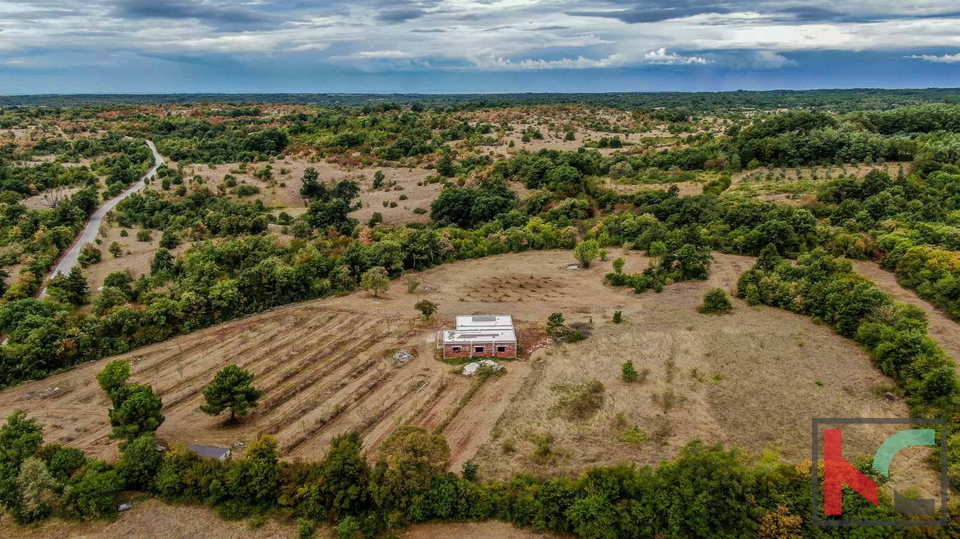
893	444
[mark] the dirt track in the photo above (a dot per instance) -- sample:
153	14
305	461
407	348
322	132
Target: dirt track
944	330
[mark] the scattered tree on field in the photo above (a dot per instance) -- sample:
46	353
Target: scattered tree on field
715	301
230	389
586	252
629	373
375	280
426	308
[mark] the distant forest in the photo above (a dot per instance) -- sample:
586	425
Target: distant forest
836	100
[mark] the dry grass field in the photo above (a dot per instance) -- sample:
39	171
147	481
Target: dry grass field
751	379
153	518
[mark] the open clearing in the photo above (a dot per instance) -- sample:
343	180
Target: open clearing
156	519
752	379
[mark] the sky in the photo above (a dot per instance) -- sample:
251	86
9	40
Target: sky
474	46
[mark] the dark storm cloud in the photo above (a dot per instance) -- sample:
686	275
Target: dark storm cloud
654	11
650	11
400	14
221	16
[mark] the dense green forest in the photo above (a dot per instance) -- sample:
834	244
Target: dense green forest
909	222
852	99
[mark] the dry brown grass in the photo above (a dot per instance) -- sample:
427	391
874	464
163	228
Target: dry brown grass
153	518
752	379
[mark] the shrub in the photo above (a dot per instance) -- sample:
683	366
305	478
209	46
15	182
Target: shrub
89	255
426	308
305	528
580	401
715	301
586	252
246	190
412	284
628	372
348	528
144	235
617	317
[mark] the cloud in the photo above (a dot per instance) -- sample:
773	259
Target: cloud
662	57
400	14
945	59
657	11
310	47
658	57
390	55
480	35
219	16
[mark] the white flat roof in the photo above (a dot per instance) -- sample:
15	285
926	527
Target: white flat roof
459	336
499	321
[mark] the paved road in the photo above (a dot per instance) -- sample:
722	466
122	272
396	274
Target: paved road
92	227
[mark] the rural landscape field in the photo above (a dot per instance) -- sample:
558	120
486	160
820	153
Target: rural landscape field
461	269
674	307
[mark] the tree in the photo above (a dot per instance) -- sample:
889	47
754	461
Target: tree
230	389
36	491
629	373
618	265
255	479
447	167
140	461
71	288
136	412
587	252
20	438
162	261
93	494
344	477
116	250
108	298
411	457
312	188
113	376
426	308
375	280
555	325
617	317
715	301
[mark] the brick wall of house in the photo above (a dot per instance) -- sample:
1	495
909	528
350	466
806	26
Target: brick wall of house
488	350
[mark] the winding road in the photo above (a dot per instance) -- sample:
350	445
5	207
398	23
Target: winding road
90	230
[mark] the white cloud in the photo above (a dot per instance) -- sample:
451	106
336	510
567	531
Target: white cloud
310	47
655	57
945	59
662	57
485	34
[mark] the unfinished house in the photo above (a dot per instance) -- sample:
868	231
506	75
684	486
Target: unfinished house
479	336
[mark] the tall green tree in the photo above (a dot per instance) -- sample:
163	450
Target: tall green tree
231	389
136	412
